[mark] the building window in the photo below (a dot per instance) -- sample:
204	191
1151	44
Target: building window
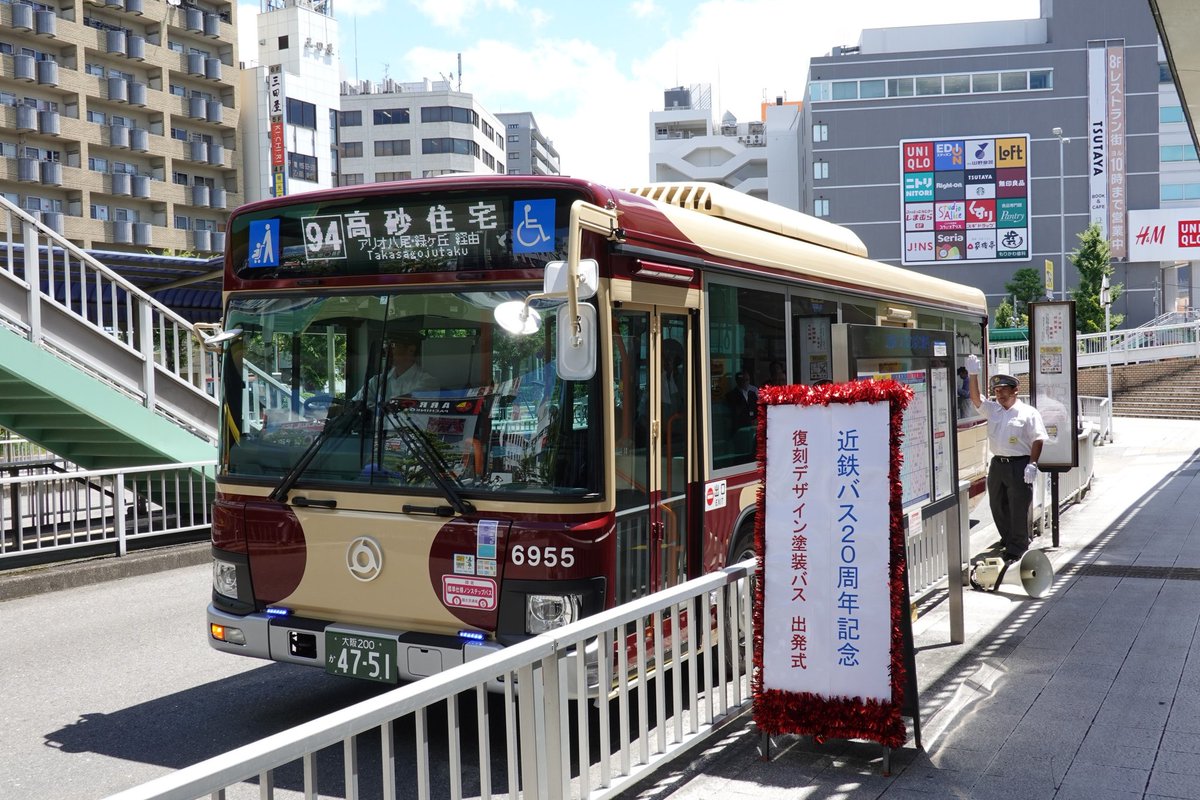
351	119
301	114
283	43
97	117
182	223
302	167
1164	73
1014	81
97	164
845	90
393	147
180	178
381	177
1179	191
929	85
1170	114
390	116
820	132
514	137
448	144
900	87
956	84
351	179
512	155
868	89
821	207
449	114
351	149
1041	79
99	212
820	170
1177	152
985	82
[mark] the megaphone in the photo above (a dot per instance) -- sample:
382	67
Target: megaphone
1034	573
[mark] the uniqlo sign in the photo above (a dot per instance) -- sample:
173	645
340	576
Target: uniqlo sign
918	156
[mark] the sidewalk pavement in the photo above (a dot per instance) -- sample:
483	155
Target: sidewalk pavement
1091	691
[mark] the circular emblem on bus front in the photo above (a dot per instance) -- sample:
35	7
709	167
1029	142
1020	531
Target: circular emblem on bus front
364	558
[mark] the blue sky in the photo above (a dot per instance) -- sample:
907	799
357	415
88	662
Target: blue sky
591	73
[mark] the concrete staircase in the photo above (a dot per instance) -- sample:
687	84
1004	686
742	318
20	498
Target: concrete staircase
1167	389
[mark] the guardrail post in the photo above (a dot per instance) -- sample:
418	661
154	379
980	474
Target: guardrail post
119	512
33	277
146	345
954	559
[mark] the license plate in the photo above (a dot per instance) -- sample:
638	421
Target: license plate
372	658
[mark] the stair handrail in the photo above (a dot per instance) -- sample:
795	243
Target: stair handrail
188	363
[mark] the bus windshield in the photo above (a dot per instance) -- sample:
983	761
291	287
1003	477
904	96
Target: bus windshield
407	391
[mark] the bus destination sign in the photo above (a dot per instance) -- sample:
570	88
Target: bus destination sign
399	234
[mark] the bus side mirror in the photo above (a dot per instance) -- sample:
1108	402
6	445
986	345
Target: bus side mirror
576	346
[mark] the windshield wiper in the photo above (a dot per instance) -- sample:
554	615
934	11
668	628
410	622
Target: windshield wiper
337	427
430	458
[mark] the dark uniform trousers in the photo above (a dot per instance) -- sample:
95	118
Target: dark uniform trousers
1010	497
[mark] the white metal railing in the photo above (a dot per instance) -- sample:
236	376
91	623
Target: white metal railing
1097	412
1072	485
1136	345
15	449
64	301
549	746
57	511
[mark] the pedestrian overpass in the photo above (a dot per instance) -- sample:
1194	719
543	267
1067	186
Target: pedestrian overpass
92	368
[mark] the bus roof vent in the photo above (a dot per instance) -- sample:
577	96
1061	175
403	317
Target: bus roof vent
729	204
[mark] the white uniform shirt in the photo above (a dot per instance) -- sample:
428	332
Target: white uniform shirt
1012	431
413	379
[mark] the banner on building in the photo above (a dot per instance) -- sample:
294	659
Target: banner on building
277	119
1164	234
965	199
830	594
1107	129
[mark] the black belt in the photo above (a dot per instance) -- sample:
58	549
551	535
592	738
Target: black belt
1009	459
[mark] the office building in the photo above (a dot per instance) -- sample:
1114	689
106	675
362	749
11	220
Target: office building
119	121
528	151
289	112
390	131
760	158
940	146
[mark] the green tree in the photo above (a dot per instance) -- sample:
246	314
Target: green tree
1093	260
1026	286
1004	316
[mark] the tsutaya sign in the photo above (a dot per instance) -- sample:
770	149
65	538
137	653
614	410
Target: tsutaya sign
1106	137
1164	234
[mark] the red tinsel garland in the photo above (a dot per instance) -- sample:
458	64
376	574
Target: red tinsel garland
805	713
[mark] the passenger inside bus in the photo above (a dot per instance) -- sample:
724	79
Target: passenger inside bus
404	374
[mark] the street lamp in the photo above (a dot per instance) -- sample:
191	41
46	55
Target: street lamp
1062	213
1106	301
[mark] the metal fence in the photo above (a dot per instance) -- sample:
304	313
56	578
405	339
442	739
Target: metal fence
1137	345
54	509
673	667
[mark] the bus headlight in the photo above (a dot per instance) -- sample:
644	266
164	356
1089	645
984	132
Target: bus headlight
545	612
225	578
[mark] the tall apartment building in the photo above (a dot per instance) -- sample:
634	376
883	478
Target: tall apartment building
118	120
528	150
392	131
290	100
946	148
760	158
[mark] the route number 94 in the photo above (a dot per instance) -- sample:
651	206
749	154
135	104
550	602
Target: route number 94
549	556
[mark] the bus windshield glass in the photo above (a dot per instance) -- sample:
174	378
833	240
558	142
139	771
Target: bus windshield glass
405	391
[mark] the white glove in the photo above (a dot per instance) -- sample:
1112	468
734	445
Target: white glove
972	364
1031	472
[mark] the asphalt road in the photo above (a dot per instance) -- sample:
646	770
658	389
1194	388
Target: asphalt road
107	686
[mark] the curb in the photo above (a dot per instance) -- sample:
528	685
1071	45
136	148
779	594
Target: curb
57	576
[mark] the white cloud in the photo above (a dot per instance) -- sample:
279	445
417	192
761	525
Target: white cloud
643	8
451	13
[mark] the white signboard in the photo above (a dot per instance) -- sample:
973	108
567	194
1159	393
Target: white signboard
1106	136
1164	234
826	602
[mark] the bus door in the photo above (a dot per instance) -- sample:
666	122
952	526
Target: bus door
654	408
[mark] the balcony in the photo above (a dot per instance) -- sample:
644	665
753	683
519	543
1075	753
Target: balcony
216	155
137	94
139	140
45	23
143	234
22	17
140	186
212	68
118	5
48	123
51	173
200	196
27	119
28	170
135	7
198	151
122	231
193	20
136	47
24	68
202	240
47	73
118	136
215	112
114	43
197	107
54	220
217	198
118	90
121	184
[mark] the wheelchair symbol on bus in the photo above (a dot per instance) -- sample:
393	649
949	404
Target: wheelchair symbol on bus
533	226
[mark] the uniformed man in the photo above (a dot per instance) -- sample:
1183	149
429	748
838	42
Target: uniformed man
1015	436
